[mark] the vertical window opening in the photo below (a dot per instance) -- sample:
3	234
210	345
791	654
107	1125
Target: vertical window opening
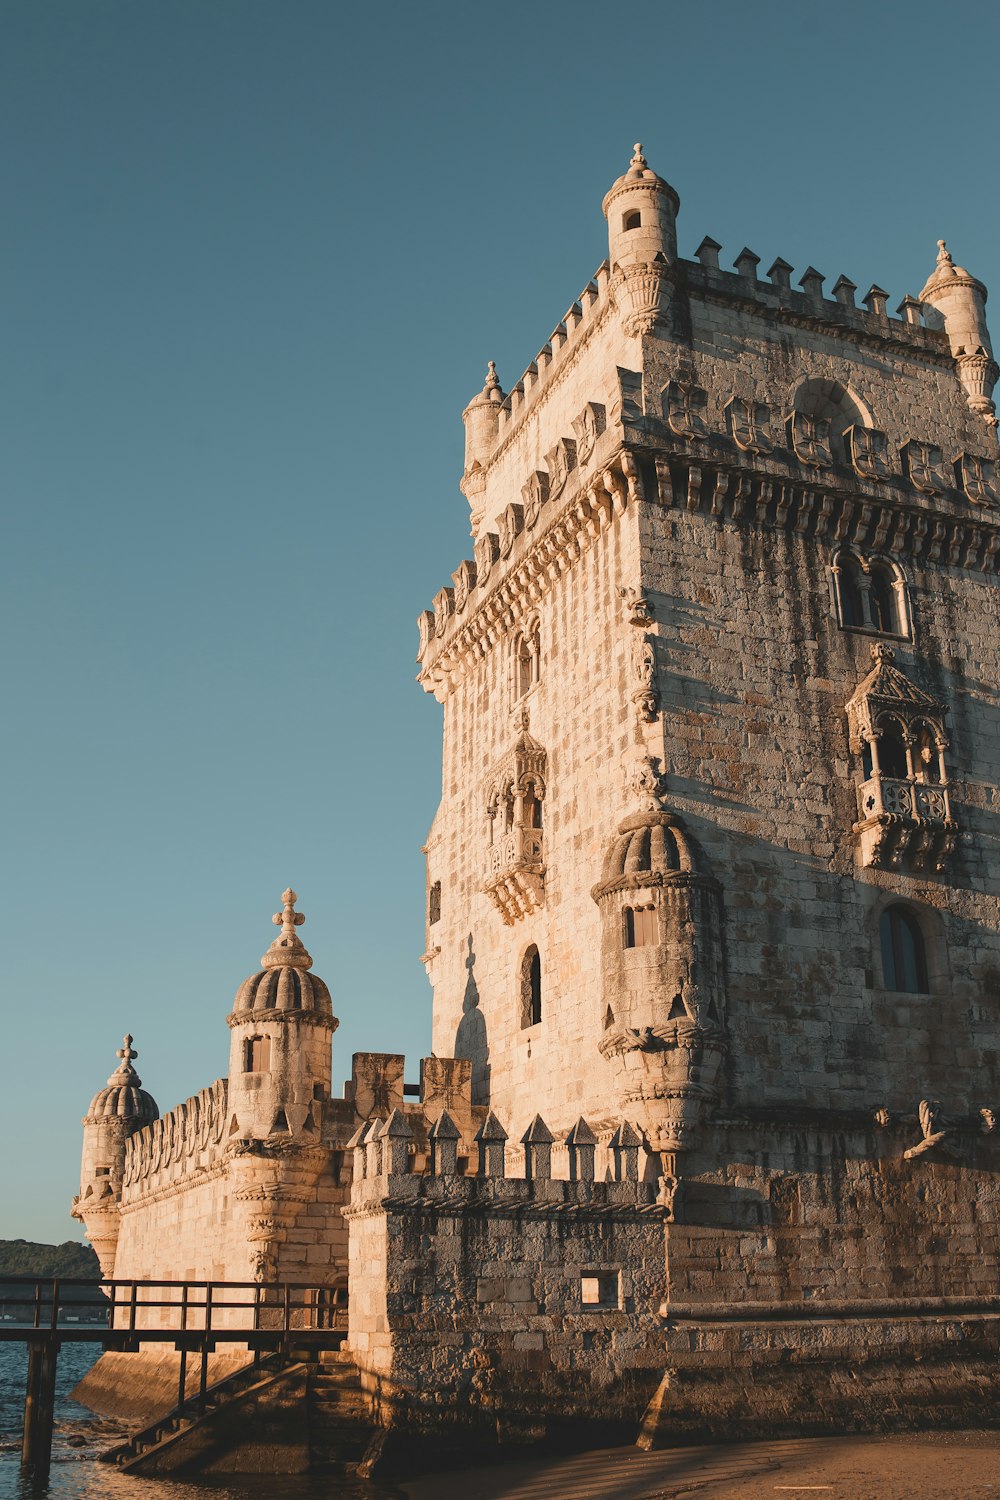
640	927
904	956
892	751
258	1054
531	988
434	903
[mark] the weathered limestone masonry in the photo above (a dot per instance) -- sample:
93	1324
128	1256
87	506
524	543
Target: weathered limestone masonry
713	886
717	845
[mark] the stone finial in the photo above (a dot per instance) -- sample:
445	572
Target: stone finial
624	1146
537	1142
875	300
811	282
287	950
844	289
492	379
581	1143
882	652
708	253
444	1136
492	1141
395	1137
780	274
125	1073
944	257
638	160
909	310
746	264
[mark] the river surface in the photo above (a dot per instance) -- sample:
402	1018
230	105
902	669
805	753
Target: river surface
76	1474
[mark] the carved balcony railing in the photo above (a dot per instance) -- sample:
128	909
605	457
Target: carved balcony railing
515	873
905	822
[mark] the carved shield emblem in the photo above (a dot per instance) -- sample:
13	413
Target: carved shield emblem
868	450
487	550
588	427
534	494
464	579
809	438
444	606
629	396
684	407
976	477
425	624
511	522
749	423
561	460
923	466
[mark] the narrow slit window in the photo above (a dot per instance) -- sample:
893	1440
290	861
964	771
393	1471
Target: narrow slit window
904	956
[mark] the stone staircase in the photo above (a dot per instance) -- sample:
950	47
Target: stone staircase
340	1421
168	1430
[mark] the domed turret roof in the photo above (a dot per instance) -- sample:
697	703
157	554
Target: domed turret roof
123	1097
946	271
648	843
639	173
284	984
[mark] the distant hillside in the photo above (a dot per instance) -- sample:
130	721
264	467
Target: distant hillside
25	1258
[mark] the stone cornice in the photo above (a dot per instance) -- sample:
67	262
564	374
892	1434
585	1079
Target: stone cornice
714	477
184	1184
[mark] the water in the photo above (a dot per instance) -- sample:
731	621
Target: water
76	1474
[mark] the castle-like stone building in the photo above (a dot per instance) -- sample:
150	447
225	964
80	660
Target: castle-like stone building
713	897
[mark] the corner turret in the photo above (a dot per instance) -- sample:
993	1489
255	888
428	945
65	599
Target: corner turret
282	1025
481	418
641	210
960	301
120	1109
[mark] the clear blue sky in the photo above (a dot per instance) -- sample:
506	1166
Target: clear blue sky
254	259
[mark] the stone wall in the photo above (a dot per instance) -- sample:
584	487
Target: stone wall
468	1296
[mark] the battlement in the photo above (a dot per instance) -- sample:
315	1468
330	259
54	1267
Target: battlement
191	1135
391	1171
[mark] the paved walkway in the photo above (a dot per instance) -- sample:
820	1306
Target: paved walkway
912	1466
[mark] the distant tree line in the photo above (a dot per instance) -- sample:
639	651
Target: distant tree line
26	1258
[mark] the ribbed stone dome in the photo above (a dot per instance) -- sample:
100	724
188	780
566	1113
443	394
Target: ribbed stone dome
283	989
648	843
284	984
123	1097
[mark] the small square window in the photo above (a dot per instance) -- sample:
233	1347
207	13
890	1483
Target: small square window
599	1289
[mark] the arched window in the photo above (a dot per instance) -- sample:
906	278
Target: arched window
852	612
926	756
632	221
904	955
531	815
892	750
882	601
871	594
531	988
527	659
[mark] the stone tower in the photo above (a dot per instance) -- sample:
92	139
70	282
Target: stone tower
733	867
116	1112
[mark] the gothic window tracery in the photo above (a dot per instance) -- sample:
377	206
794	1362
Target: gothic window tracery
904	804
870	594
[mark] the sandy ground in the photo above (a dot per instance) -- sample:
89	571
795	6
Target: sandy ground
913	1466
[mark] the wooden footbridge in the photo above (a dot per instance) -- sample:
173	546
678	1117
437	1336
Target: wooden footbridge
271	1320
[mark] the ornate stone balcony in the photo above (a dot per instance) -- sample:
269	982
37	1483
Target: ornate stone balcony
905	822
515	873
